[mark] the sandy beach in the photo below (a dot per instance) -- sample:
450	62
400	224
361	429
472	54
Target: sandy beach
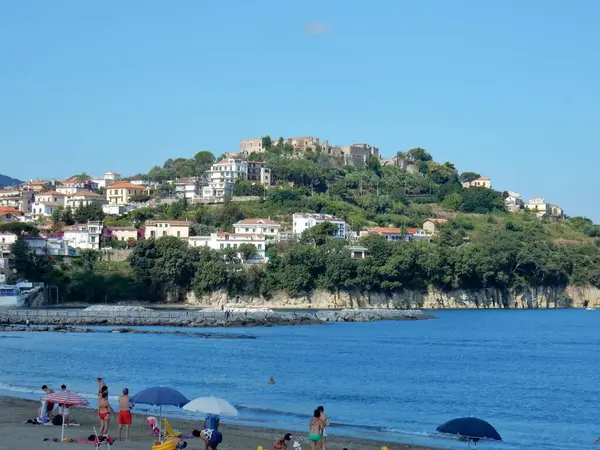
16	434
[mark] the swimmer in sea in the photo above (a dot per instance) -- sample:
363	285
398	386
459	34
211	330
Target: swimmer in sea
271	380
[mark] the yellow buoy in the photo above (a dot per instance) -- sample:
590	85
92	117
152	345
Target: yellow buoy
384	448
259	447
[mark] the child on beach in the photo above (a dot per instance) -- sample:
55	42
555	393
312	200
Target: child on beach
281	444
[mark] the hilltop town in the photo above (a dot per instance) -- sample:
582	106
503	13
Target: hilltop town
253	206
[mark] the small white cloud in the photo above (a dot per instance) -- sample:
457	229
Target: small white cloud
317	29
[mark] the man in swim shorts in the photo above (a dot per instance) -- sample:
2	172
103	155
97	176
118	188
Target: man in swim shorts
125	418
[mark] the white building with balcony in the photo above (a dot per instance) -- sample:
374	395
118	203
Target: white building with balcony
304	221
221	241
47	202
84	236
84	198
188	187
266	227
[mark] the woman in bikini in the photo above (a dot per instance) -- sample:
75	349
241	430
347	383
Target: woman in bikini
104	412
316	431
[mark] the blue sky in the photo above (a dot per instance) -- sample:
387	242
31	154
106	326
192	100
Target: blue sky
506	88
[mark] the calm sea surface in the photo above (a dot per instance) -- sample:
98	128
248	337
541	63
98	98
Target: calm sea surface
532	374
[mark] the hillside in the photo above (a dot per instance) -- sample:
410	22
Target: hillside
482	248
8	181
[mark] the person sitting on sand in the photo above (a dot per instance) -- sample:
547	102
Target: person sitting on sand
315	430
211	438
281	444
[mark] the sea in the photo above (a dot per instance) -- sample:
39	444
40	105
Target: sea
532	374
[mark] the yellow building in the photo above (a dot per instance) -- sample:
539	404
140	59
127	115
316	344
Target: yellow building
431	225
478	182
160	228
120	193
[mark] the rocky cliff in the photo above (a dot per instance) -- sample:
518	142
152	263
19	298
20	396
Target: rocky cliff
542	297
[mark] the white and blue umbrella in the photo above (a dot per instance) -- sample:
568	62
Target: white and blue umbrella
212	405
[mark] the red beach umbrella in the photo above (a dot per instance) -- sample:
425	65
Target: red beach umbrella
68	399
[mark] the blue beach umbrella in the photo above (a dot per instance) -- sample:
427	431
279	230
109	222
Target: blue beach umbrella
470	428
160	396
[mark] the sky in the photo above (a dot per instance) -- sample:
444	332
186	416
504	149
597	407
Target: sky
506	88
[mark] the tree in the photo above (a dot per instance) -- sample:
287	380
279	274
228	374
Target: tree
83	177
266	142
20	228
419	154
374	165
246	251
88	213
140	198
466	177
319	234
245	188
481	200
67	216
204	158
57	214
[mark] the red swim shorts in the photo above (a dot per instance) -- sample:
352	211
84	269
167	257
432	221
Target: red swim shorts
124	417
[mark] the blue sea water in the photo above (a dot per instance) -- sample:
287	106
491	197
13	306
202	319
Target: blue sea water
533	374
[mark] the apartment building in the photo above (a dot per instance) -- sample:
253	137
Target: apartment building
221	241
304	221
266	227
84	236
120	192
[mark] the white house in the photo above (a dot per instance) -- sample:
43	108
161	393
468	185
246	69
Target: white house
267	227
221	241
108	179
84	198
188	187
222	175
6	241
514	202
47	202
112	209
84	236
17	199
304	221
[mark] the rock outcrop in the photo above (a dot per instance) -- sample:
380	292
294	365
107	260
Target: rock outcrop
541	297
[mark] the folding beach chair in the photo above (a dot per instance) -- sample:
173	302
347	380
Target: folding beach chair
98	442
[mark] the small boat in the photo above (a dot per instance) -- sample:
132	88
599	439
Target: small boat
589	308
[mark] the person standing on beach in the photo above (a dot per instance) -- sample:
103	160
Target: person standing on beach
101	384
49	405
125	406
325	420
64	409
104	412
315	430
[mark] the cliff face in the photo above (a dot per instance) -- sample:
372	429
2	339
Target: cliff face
542	297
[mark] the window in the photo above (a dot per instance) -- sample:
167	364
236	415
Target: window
153	234
222	246
259	246
164	233
179	234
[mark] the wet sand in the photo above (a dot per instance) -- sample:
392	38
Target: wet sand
14	434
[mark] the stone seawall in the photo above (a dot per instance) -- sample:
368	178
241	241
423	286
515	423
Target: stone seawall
201	318
541	297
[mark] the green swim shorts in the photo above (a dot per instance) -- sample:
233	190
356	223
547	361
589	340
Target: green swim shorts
314	437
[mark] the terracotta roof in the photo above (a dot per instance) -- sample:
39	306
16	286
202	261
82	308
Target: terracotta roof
384	230
174	223
482	179
257	222
7	210
185	180
51	194
70	180
122	228
436	220
124	185
412	230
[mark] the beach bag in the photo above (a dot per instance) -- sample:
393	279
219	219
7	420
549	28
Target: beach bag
57	420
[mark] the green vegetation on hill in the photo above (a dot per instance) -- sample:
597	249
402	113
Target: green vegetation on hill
481	245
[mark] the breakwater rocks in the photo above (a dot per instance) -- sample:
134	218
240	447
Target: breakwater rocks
201	318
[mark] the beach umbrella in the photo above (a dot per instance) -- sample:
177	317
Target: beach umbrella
471	428
160	396
68	399
212	405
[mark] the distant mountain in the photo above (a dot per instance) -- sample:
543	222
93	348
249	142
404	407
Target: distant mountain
8	181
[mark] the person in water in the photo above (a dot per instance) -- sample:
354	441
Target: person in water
271	380
104	412
325	420
315	430
281	444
